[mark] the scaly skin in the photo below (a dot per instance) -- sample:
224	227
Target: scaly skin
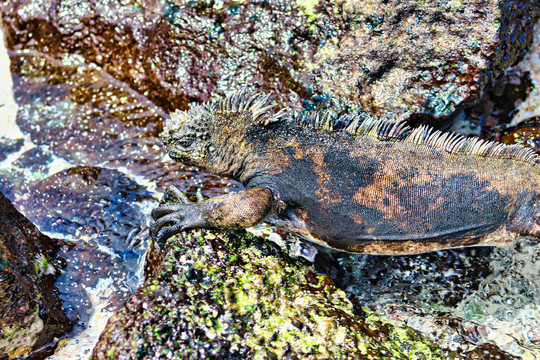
370	187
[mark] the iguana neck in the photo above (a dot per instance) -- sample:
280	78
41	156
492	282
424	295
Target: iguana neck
232	160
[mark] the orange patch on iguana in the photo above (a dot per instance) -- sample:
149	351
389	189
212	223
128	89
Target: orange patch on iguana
324	179
356	217
274	160
381	193
300	152
436	205
376	195
320	168
410	247
523	177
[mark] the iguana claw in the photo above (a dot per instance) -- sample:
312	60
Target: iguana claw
171	219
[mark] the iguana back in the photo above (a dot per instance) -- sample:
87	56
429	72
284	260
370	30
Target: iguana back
379	194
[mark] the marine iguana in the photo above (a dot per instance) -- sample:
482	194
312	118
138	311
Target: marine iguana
350	184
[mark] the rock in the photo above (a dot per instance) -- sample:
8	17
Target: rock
8	146
31	314
498	105
83	115
415	59
531	64
102	206
480	298
526	133
8	107
428	58
213	294
77	114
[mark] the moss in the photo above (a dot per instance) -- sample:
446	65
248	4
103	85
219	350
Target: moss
307	7
232	294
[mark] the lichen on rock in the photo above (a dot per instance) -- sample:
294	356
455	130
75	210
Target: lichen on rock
213	294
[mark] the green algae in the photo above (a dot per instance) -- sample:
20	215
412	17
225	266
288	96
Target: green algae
18	340
307	7
30	310
230	294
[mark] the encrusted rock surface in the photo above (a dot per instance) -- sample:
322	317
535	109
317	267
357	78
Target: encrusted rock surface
526	133
420	59
231	295
31	312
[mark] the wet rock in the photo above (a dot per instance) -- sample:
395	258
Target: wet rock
8	146
526	133
445	277
77	114
215	294
499	104
101	206
31	314
531	64
83	115
462	298
445	328
417	59
104	212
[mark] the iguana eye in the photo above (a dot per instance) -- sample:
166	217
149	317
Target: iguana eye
185	142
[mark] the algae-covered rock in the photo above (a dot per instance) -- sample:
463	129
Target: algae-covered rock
416	58
31	312
231	295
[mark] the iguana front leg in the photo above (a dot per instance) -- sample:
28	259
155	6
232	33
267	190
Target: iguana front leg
235	211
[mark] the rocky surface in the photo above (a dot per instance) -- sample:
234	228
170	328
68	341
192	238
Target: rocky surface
496	109
93	81
526	133
530	107
77	114
31	315
462	297
416	59
231	295
503	112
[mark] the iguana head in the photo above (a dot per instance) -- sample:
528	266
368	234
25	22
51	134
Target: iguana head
186	135
212	136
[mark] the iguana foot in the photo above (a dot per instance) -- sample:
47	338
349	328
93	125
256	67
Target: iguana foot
174	218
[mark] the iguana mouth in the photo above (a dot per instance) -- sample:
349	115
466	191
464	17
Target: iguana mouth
183	159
